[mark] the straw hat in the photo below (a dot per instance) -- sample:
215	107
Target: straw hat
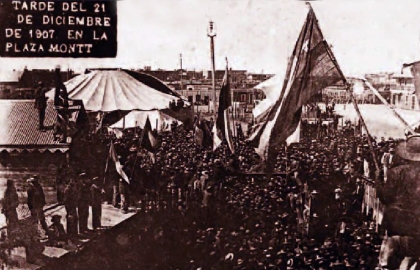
409	149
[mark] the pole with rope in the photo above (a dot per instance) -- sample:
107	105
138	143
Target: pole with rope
107	163
383	100
362	121
369	138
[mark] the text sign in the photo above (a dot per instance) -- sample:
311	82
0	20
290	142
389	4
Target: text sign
58	28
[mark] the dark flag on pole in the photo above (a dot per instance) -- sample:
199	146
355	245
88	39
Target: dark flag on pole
311	68
149	139
222	129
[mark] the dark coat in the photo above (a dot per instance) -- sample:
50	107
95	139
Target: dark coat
401	197
36	197
40	98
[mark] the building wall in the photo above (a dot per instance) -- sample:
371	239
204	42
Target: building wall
404	100
6	88
339	94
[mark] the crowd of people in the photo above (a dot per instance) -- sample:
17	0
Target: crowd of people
306	216
225	214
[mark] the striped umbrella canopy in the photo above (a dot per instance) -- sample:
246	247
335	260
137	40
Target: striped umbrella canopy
113	90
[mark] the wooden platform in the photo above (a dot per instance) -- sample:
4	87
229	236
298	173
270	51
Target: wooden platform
111	217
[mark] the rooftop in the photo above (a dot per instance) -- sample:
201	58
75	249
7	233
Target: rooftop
19	127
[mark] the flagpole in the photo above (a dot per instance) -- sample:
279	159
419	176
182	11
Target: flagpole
232	103
362	121
211	34
107	163
138	149
356	107
389	106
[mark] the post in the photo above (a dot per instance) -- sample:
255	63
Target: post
180	59
211	34
196	101
389	106
157	122
233	116
356	107
124	122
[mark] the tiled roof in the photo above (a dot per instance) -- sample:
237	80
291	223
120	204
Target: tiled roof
19	127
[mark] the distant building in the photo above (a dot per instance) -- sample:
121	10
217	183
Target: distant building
381	81
339	93
22	84
403	90
173	75
9	81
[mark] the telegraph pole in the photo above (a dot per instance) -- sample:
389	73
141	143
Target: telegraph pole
211	34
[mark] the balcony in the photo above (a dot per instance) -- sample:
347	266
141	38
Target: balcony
402	87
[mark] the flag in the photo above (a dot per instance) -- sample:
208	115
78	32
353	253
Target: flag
311	68
295	137
149	140
198	135
202	134
221	130
113	156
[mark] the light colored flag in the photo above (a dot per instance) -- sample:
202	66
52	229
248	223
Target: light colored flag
113	156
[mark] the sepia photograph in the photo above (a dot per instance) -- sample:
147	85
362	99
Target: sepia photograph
209	134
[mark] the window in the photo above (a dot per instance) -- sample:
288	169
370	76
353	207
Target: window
243	97
413	102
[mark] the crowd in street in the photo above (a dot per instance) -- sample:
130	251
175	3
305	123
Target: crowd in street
307	216
223	213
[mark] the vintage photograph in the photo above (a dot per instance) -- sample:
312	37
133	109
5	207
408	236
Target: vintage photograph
209	134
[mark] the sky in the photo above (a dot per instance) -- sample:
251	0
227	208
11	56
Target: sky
257	35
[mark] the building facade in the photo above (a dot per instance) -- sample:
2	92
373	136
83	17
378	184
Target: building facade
339	93
403	92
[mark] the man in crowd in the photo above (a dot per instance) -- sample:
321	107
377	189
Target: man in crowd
96	199
83	202
387	161
36	201
70	199
400	193
41	104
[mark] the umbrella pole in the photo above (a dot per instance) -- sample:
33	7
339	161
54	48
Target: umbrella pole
124	122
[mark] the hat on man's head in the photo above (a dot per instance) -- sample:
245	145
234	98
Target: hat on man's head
409	149
82	175
30	180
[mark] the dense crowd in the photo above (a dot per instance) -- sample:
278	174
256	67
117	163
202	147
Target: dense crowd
210	209
306	216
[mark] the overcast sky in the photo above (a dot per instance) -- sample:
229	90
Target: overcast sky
257	35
